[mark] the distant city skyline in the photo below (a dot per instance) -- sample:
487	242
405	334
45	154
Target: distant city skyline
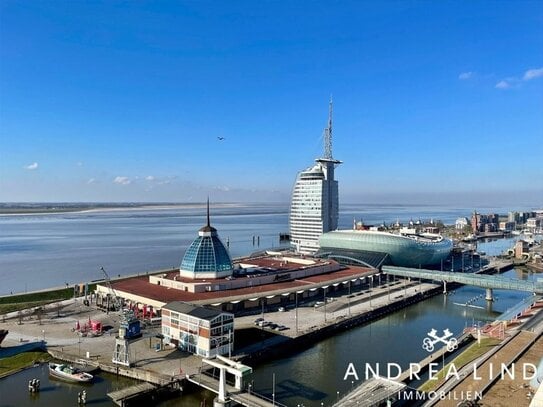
434	102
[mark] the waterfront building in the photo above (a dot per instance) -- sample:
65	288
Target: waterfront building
461	223
263	281
507	226
206	257
533	224
200	330
522	249
513	217
314	207
484	223
375	248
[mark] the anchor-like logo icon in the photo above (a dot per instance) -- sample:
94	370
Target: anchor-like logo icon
429	342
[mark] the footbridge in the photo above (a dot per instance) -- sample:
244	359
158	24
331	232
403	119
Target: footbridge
226	394
479	280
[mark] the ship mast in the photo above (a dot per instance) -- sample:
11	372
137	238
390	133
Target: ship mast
328	135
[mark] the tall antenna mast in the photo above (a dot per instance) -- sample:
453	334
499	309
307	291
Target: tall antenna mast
328	134
208	223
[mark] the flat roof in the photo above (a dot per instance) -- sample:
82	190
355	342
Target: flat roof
141	286
193	310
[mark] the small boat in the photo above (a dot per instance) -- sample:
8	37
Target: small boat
69	373
3	334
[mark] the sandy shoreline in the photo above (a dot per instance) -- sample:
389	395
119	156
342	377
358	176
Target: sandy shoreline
125	209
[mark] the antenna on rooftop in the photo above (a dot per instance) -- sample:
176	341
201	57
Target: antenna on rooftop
208	223
328	134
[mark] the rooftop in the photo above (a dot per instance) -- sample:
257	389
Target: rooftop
141	286
193	310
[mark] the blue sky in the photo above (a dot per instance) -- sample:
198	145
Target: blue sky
434	102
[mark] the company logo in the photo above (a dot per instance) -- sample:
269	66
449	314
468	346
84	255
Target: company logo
433	339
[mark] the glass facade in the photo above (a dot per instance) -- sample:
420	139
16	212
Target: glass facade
402	251
314	206
206	254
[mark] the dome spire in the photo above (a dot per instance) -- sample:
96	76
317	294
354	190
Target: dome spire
208	228
208	223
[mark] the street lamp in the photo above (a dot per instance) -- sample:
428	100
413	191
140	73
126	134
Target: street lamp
273	394
296	316
349	298
325	287
371	288
296	312
388	286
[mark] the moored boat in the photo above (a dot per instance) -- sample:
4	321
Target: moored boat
69	373
3	334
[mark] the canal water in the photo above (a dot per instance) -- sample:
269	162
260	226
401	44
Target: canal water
14	390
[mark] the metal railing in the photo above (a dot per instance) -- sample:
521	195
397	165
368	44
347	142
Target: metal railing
479	280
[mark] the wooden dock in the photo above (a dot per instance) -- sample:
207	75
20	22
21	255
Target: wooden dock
121	397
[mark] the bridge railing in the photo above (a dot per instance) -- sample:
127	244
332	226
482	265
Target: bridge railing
262	397
469	279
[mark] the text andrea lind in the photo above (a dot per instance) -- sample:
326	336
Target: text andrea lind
393	371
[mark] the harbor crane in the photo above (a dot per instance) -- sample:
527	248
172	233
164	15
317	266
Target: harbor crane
129	325
116	303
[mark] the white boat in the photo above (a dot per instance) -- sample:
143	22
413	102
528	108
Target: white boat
69	373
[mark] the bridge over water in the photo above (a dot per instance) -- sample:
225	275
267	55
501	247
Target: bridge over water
480	280
226	392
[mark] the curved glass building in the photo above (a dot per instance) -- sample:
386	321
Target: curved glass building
206	257
403	250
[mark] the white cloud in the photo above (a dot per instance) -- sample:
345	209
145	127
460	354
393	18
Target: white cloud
465	76
122	180
503	85
91	181
532	74
31	167
149	178
165	182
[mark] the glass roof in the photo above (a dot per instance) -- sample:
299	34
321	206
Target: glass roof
206	254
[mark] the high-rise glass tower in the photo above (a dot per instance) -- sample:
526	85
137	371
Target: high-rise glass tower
315	204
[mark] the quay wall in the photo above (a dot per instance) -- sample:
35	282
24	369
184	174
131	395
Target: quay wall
295	345
130	372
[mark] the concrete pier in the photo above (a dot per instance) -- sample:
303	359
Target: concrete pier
489	294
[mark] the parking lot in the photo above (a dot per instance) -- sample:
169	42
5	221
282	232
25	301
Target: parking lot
309	316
